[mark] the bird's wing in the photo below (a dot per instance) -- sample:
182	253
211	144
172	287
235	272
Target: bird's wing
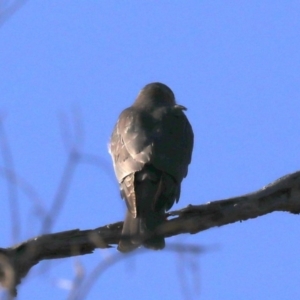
173	144
172	149
130	147
162	138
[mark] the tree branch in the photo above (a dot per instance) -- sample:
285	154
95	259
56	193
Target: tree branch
281	195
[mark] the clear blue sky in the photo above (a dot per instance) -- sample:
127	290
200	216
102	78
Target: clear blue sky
234	64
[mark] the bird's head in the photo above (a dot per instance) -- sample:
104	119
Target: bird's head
155	93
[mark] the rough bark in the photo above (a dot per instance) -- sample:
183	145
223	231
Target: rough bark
281	195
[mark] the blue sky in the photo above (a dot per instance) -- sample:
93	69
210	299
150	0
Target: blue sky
234	64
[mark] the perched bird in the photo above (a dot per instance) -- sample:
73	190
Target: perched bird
151	148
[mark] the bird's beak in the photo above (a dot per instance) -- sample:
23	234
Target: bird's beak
180	107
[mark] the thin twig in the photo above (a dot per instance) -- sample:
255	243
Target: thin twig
23	185
6	11
61	193
73	145
11	186
86	286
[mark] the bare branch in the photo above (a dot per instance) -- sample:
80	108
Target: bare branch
281	195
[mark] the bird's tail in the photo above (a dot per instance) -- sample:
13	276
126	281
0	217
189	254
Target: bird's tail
136	231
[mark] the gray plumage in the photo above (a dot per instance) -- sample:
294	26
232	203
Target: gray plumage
151	147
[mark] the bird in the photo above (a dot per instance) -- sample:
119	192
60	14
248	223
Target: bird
151	147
